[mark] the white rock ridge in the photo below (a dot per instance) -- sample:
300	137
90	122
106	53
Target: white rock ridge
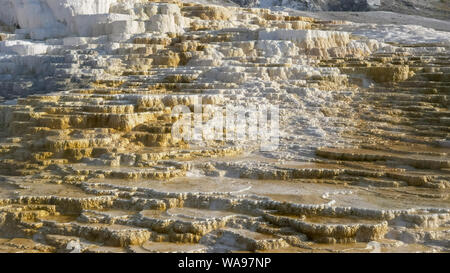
53	18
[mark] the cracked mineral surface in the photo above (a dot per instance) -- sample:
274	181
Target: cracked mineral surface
88	161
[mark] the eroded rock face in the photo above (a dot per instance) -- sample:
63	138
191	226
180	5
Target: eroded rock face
91	164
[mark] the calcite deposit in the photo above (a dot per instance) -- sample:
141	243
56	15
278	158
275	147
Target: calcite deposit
89	162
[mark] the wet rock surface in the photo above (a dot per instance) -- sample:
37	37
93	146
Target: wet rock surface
362	164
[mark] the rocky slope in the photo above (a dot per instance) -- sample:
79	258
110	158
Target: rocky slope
91	165
431	8
314	5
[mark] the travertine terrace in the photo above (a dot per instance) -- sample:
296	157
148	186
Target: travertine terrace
88	162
